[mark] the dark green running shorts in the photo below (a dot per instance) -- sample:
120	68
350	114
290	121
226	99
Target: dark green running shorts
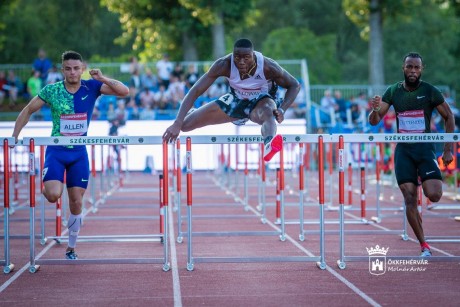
416	159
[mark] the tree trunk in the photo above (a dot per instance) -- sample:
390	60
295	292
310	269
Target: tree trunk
218	37
189	46
376	71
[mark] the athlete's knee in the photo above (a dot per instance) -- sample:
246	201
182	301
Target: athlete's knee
434	196
52	196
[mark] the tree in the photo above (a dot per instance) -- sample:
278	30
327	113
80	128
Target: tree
82	25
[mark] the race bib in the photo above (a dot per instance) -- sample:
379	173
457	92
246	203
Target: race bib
74	124
227	99
411	122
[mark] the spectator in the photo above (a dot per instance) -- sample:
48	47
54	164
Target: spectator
96	113
177	91
54	75
147	98
164	69
134	65
178	71
132	111
34	84
149	80
134	85
147	113
191	76
3	82
162	98
341	111
13	86
43	64
328	104
111	115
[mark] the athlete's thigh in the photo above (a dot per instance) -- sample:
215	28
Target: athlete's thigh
405	166
208	114
263	108
78	170
54	166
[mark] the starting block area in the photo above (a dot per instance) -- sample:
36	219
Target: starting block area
234	235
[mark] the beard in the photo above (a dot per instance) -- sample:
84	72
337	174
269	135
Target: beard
413	83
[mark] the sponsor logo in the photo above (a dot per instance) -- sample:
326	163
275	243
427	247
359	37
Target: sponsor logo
84	97
420	97
429	172
84	180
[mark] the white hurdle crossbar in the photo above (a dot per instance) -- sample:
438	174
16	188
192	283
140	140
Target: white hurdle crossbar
94	140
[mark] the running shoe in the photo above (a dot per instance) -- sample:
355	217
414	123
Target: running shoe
71	255
272	147
426	252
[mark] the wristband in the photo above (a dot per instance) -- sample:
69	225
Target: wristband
376	109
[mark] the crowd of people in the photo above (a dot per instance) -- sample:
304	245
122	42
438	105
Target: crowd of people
354	110
43	72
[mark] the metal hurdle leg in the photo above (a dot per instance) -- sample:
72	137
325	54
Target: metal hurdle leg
7	265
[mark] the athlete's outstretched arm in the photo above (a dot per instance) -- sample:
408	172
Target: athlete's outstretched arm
220	68
23	118
273	71
110	86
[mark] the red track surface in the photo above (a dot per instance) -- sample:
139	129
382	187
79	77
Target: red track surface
133	209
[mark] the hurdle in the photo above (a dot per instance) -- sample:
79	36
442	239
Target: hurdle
35	262
191	260
384	138
6	262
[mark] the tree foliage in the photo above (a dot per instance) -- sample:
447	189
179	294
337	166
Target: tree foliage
82	25
332	35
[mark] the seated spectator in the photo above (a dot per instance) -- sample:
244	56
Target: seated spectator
149	80
34	84
3	82
13	87
191	76
96	113
147	113
177	91
162	98
133	110
54	75
134	85
146	98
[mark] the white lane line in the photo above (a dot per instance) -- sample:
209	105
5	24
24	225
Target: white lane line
345	281
174	266
24	268
409	238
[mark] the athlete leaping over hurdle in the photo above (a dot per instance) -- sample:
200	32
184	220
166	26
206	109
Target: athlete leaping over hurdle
253	79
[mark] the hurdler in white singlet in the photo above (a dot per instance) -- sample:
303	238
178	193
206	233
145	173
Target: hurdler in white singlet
253	86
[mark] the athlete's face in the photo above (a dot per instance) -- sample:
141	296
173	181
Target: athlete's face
244	59
412	69
72	70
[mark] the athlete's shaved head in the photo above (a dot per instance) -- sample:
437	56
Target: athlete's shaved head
71	55
243	43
